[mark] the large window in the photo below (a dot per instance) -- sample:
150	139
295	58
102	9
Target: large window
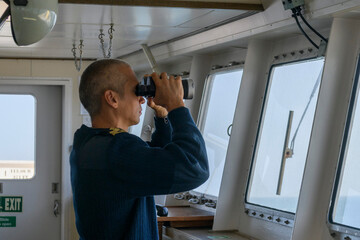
346	200
215	121
284	134
17	138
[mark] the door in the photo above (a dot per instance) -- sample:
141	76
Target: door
30	162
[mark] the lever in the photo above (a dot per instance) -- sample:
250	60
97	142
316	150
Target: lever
56	208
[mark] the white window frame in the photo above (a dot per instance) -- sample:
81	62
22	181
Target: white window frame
257	211
204	109
340	231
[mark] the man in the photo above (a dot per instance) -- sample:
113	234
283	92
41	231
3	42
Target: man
115	174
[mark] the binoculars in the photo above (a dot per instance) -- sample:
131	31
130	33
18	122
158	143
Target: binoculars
147	88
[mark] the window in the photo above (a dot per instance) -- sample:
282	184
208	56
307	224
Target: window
284	134
345	206
215	121
17	138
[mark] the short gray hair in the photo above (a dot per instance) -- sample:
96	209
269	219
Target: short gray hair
96	79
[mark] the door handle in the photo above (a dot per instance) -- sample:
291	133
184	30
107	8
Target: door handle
229	130
56	208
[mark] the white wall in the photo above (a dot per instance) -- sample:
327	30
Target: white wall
48	68
51	69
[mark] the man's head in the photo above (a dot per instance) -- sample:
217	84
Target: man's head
96	79
110	84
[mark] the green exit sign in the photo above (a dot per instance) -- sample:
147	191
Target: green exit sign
11	204
7	221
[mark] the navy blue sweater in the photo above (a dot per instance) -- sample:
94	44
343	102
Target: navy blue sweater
114	176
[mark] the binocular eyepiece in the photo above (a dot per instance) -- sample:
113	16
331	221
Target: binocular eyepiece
146	88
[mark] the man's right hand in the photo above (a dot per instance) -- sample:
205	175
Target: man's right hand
169	91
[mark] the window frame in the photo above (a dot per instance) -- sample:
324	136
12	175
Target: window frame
255	210
203	109
338	229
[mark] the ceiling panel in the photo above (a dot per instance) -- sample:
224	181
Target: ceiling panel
212	17
214	4
98	14
133	27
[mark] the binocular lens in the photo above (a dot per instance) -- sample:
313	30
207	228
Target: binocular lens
146	88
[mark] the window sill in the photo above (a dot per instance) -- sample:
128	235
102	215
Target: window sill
189	223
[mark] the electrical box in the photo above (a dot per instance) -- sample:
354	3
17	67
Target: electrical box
290	4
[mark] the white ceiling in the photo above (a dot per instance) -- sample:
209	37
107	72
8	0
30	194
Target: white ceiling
133	27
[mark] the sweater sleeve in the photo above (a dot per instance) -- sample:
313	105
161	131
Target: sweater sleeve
180	165
162	134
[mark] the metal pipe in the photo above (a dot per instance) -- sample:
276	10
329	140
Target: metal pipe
4	16
285	153
150	58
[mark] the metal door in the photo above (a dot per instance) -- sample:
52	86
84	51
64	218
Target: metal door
29	205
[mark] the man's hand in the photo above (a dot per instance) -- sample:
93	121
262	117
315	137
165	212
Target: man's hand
169	91
160	111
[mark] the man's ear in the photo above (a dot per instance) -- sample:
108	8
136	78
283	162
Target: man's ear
111	98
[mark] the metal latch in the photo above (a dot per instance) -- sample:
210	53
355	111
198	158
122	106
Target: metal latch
56	208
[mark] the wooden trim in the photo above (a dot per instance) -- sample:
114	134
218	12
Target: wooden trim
186	213
174	4
188	224
44	58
